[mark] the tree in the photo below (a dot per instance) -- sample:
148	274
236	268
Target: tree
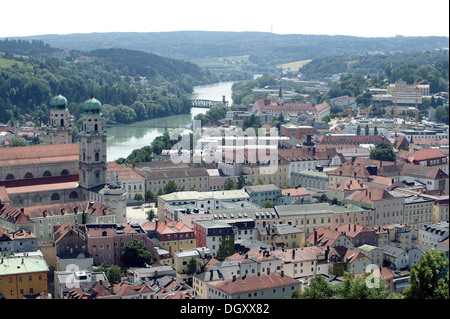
17	141
114	274
138	197
267	204
429	277
149	196
170	187
367	129
135	254
375	130
383	152
358	130
319	288
240	182
229	184
191	266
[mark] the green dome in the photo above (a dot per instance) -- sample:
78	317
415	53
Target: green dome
58	102
92	106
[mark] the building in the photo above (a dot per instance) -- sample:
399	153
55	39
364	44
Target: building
264	286
344	188
260	193
66	280
374	253
183	258
401	86
387	208
298	195
353	260
106	241
62	173
348	141
19	241
23	277
418	211
281	236
326	237
296	131
158	173
433	234
429	157
59	130
200	280
130	181
396	258
175	205
311	178
172	236
359	235
217	236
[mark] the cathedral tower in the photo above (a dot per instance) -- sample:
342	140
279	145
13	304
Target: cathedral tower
92	145
59	131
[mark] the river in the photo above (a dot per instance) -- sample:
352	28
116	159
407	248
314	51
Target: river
122	140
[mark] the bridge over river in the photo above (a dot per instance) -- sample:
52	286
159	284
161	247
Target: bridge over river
206	104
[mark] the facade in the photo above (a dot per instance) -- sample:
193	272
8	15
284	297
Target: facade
418	211
260	193
18	242
281	236
170	206
273	286
182	259
173	237
433	233
429	157
22	276
131	182
397	258
106	241
217	236
296	131
374	253
387	208
200	280
67	280
59	130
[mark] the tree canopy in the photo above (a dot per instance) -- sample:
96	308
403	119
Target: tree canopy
135	254
383	152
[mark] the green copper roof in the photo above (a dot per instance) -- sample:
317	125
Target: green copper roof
92	106
58	102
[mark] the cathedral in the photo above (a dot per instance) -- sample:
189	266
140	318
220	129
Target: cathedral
63	172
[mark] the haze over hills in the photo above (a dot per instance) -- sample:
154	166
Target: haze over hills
263	48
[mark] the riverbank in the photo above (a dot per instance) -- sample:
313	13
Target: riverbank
123	139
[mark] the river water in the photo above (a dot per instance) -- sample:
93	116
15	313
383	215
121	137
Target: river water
122	140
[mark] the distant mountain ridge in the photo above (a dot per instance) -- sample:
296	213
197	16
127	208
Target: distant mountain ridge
264	48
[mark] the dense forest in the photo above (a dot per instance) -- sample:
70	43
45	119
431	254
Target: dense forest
435	61
264	48
132	85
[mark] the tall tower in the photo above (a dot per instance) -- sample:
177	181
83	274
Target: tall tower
92	146
59	131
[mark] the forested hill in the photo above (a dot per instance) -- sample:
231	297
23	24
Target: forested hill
131	85
264	49
134	62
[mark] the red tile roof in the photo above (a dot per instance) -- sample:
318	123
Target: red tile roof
253	283
426	154
39	154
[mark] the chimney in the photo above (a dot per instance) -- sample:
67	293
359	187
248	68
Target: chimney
315	237
282	273
234	278
293	253
354	228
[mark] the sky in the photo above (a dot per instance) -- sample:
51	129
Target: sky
379	18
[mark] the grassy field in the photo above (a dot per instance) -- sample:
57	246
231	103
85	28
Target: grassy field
294	66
